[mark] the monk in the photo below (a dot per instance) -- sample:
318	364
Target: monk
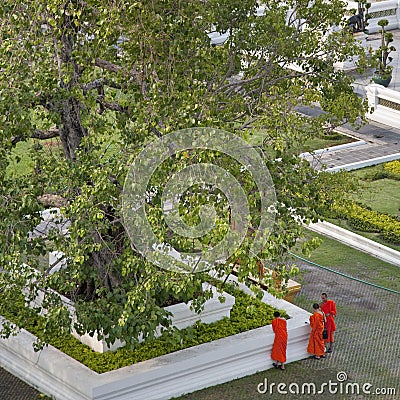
328	307
278	353
316	345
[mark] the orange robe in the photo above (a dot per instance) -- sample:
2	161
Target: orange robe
329	307
316	344
280	342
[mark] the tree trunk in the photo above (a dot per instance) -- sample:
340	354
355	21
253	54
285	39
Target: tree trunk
72	130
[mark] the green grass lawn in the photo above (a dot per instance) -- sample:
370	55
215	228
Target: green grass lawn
347	260
380	194
322	143
21	161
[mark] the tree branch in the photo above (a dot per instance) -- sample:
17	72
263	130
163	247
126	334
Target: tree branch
52	200
133	73
42	135
109	66
100	83
113	106
38	134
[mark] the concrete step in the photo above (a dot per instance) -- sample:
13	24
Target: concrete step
358	242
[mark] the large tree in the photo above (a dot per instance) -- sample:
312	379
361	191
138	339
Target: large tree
106	78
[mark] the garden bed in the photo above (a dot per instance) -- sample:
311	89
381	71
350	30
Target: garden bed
182	317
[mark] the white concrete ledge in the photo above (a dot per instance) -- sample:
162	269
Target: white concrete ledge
377	95
358	242
185	371
333	148
49	371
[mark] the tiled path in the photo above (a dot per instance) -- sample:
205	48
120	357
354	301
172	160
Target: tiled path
12	388
379	141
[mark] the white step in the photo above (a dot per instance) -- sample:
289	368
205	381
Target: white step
356	241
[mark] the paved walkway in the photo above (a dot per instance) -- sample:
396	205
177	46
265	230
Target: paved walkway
380	140
12	388
375	143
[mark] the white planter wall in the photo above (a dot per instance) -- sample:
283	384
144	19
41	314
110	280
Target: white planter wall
171	375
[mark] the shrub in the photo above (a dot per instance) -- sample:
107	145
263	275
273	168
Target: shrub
367	220
393	167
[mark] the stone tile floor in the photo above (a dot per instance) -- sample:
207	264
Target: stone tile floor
12	388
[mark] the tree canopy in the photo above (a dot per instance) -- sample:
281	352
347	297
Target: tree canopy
105	79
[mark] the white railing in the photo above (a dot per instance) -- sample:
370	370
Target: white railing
385	104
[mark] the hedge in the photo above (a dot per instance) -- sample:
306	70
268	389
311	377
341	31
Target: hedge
367	220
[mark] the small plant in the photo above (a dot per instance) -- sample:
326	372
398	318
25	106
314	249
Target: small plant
380	58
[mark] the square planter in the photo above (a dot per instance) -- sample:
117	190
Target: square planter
63	378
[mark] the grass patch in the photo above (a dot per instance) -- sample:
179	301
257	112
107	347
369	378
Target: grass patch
20	161
381	195
323	143
345	259
380	190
